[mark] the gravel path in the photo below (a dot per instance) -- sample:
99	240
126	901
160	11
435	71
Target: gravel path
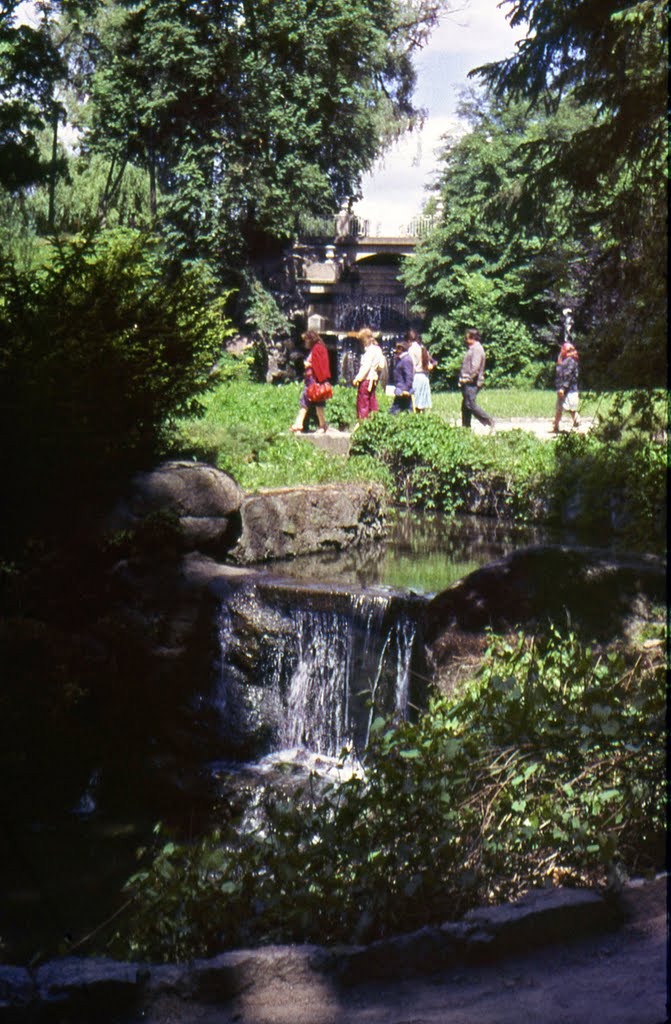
541	428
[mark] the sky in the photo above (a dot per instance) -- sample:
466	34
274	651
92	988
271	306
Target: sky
393	194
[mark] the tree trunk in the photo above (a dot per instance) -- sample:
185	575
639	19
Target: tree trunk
52	172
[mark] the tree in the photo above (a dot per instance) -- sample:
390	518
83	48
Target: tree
491	262
29	69
612	58
101	348
245	113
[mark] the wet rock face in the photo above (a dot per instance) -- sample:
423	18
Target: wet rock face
285	522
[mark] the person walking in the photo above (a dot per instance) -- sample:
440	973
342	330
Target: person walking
372	364
421	383
566	386
403	379
471	379
317	369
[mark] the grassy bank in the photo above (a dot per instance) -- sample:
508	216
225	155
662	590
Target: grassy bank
519	403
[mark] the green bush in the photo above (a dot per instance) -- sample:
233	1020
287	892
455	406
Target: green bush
612	487
546	768
101	348
437	466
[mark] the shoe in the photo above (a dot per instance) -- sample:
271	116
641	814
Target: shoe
322	430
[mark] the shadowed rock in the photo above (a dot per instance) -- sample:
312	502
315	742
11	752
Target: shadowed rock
205	501
600	593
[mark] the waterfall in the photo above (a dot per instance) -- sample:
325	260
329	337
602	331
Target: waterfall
323	666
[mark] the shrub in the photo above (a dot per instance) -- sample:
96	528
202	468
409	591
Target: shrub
102	348
437	466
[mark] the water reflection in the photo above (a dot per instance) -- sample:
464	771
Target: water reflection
423	553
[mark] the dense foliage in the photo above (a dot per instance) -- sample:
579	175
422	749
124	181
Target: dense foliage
556	196
29	69
548	767
100	348
612	58
242	114
488	263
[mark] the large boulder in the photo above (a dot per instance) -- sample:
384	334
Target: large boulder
205	501
289	521
602	594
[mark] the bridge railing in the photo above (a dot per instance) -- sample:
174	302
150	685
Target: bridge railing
352	226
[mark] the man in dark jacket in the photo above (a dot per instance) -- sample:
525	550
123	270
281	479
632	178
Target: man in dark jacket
471	379
404	373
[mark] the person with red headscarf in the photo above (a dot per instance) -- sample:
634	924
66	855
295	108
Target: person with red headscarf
566	386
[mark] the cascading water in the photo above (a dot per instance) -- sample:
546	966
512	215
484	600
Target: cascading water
320	673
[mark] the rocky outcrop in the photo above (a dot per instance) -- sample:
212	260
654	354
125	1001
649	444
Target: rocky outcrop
213	515
601	594
205	501
290	521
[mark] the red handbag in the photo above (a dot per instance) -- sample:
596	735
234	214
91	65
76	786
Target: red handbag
317	392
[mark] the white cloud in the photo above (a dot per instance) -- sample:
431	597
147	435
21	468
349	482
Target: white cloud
479	29
398	187
396	190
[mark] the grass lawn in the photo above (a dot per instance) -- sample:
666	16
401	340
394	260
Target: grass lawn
244	430
516	403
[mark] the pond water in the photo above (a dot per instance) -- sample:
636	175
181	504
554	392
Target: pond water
62	877
423	554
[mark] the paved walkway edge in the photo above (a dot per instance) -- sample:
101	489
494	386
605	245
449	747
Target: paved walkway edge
74	984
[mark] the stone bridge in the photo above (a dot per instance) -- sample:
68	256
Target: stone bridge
352	278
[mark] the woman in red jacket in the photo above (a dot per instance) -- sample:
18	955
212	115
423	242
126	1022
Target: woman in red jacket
317	370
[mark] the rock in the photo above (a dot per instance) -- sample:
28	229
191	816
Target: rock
205	501
333	442
16	988
601	593
225	976
543	915
81	983
102	989
285	522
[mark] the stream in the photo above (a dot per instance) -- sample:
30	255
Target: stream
318	669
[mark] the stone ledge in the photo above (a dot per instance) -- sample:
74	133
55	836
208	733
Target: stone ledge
106	987
285	522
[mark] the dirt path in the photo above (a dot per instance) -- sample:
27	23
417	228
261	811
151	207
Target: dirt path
613	978
539	427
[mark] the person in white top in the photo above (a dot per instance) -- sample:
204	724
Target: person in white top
415	350
372	364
